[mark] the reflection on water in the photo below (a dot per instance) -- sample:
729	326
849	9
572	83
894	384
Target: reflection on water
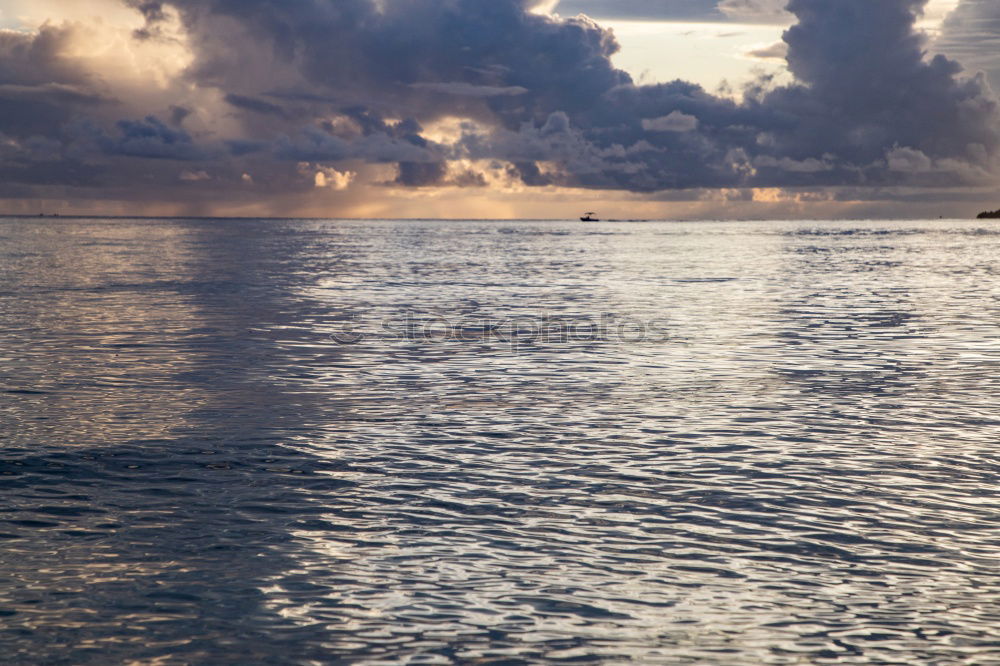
800	467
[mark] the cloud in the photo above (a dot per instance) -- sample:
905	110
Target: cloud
908	160
544	90
152	139
421	174
254	105
776	51
52	93
865	87
194	176
154	14
462	89
41	87
390	144
674	122
410	93
327	177
810	165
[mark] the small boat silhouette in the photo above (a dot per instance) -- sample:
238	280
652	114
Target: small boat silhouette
589	217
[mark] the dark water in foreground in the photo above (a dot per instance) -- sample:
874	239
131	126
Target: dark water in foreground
733	443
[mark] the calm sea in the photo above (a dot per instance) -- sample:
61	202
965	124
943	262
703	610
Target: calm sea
379	442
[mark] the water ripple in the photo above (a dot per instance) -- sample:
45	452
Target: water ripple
469	442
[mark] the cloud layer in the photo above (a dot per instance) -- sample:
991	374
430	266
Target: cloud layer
278	97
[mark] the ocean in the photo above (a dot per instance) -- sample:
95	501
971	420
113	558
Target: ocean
491	442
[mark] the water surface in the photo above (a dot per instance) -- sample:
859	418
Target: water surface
297	442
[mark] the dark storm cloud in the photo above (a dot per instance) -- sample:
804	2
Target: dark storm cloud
379	142
867	108
421	174
416	56
151	138
867	90
325	82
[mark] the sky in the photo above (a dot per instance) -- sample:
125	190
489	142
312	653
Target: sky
686	109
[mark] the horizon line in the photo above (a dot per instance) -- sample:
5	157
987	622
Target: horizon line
82	216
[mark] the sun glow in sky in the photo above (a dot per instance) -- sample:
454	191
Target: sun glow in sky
705	53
